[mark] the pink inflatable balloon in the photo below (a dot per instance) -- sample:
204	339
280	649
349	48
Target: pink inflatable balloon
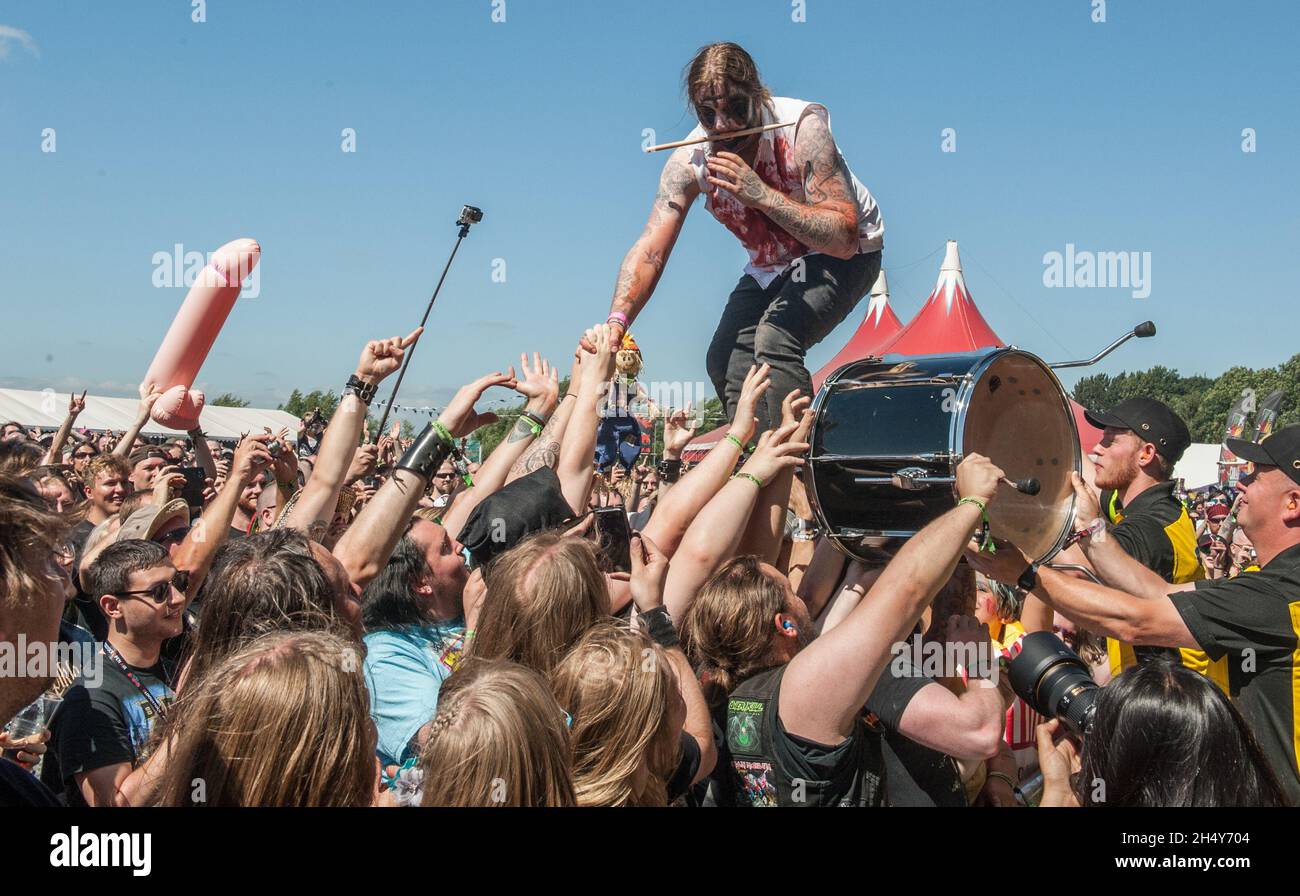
192	333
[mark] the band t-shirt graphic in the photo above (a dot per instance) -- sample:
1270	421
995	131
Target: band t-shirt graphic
771	249
101	726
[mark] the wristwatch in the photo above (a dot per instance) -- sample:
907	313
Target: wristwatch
361	389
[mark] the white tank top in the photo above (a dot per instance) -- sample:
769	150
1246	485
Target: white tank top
771	249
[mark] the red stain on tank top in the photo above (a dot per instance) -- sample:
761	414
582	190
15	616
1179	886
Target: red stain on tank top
768	244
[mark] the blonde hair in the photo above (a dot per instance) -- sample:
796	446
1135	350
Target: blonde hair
541	596
284	721
617	685
499	739
29	534
727	631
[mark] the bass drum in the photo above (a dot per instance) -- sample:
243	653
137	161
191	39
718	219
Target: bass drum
889	432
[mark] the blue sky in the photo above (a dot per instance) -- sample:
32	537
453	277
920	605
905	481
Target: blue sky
1117	136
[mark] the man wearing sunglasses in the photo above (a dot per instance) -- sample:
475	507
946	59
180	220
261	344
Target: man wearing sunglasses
813	232
98	736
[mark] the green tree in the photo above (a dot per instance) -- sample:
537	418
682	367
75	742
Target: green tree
228	400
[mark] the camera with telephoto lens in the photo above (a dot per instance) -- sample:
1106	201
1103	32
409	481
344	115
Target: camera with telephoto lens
1052	679
470	215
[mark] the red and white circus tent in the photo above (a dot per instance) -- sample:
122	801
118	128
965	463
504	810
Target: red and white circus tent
879	325
948	323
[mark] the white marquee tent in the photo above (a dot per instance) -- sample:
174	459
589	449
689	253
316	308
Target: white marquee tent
47	409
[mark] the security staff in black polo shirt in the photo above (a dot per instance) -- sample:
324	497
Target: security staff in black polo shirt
1252	621
1142	440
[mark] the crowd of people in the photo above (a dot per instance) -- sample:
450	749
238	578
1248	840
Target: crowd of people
328	619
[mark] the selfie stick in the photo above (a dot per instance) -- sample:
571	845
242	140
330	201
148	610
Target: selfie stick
468	215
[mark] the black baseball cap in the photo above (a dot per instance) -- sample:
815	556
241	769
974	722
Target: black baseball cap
1153	421
1281	449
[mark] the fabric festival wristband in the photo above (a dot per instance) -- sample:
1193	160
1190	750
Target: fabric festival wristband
538	423
428	451
659	626
751	477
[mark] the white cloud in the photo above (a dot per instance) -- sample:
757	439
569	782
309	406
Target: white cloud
11	37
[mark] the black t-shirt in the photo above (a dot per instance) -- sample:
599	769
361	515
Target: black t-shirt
770	766
1155	530
19	788
103	722
1254	619
916	774
679	785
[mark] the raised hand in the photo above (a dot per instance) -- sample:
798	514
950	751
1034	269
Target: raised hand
745	422
978	477
76	405
381	357
793	410
251	458
649	572
167	482
285	466
363	463
601	368
679	429
540	382
775	452
460	418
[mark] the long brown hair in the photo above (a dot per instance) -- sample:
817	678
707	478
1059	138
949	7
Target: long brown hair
617	685
727	632
727	62
499	739
541	596
285	721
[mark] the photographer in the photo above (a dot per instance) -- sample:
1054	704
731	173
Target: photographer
1162	736
1247	620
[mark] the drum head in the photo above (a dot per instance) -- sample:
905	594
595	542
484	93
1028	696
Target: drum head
1018	416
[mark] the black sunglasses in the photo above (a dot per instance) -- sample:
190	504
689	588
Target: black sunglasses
162	591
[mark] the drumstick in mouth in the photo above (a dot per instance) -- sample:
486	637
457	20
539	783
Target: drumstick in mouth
719	137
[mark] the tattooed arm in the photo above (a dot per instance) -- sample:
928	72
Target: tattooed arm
645	261
828	221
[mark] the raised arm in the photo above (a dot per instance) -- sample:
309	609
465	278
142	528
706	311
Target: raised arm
578	451
202	454
315	506
541	386
827	683
767	523
644	262
676	510
211	530
650	570
828	220
715	535
544	451
75	406
1106	611
149	396
368	543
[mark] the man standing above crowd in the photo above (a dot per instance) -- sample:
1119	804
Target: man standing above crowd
1251	621
813	232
